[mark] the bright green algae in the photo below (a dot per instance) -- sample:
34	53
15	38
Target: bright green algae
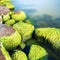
19	55
4	55
51	36
24	29
37	53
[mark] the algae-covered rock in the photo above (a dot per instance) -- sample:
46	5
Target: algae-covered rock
6	17
10	6
4	55
22	45
10	22
4	13
19	16
4	2
24	29
37	53
51	38
9	37
19	55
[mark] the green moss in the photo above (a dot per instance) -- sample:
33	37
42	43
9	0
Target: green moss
51	35
37	53
4	2
19	16
6	17
22	45
10	6
10	22
24	29
11	41
4	55
19	55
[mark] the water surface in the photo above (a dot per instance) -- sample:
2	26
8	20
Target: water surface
43	13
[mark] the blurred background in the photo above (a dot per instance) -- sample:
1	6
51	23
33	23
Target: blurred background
43	13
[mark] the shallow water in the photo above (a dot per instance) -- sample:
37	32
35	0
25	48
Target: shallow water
43	13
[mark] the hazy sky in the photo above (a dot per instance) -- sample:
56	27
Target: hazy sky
51	7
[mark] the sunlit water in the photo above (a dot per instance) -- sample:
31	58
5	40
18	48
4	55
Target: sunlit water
43	13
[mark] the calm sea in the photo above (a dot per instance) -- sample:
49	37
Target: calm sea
43	13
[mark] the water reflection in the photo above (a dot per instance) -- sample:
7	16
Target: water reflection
46	21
